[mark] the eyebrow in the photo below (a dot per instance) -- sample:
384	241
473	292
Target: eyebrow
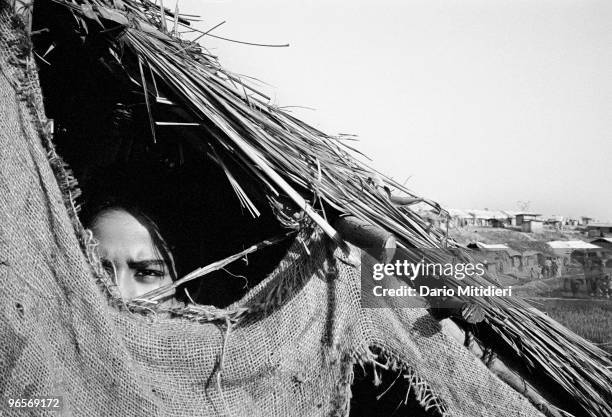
146	263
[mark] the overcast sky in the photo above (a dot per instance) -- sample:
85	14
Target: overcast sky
480	103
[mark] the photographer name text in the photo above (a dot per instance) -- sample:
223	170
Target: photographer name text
425	291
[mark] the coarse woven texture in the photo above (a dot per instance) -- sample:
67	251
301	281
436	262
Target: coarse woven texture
291	353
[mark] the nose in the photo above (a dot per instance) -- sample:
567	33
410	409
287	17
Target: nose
127	286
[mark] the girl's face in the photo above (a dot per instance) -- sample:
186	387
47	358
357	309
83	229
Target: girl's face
127	252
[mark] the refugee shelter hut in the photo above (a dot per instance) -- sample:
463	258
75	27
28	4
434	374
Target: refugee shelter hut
599	229
510	216
571	221
500	219
497	222
287	347
532	226
516	259
490	218
584	260
585	220
482	217
531	259
554	221
501	259
524	217
497	255
514	263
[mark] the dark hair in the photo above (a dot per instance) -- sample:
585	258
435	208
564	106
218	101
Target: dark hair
159	243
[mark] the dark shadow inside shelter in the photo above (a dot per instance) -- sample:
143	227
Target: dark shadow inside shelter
391	398
103	130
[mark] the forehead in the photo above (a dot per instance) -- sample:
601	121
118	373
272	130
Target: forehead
121	235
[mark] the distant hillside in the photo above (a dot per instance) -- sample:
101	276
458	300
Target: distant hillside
469	234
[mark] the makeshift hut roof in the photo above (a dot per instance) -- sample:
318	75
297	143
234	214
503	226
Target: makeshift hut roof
287	157
530	245
492	246
571	244
243	126
599	225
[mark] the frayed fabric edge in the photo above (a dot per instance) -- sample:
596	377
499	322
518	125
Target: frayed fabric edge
26	89
379	358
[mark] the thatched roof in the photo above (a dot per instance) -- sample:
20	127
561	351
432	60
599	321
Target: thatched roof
289	157
243	127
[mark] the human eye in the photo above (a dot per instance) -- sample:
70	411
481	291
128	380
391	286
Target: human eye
149	274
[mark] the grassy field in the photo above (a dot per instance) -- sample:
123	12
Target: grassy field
591	319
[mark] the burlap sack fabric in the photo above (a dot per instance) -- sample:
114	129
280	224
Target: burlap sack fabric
288	348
